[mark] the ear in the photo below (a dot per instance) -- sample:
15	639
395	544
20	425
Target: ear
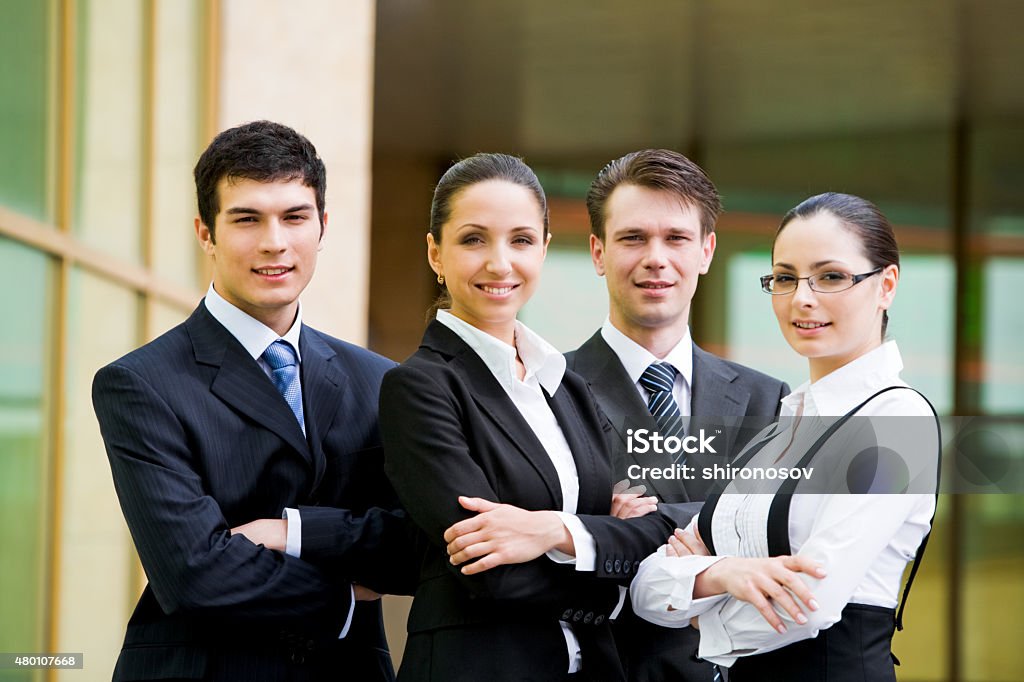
707	253
323	231
890	280
597	254
434	255
547	242
205	237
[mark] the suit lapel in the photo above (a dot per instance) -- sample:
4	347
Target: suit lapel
494	402
619	399
715	391
323	389
240	382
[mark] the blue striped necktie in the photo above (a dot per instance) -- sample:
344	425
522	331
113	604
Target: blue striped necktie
285	365
657	380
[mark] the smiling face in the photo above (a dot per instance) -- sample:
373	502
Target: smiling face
491	252
267	238
652	255
829	329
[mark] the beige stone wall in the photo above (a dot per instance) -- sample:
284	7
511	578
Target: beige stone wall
309	64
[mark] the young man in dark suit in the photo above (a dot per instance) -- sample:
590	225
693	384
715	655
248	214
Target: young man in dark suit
652	216
245	451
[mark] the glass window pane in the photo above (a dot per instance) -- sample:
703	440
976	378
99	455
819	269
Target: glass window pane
108	191
102	322
24	352
176	137
1003	388
24	53
570	303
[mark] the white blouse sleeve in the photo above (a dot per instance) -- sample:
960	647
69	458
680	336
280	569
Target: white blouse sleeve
664	581
848	534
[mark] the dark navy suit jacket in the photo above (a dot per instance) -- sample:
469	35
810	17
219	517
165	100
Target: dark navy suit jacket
199	440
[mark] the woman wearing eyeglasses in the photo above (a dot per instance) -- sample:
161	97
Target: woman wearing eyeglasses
805	586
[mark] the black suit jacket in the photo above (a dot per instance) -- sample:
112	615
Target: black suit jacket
449	429
722	393
199	440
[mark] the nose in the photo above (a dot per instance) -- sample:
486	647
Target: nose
655	256
804	296
498	262
272	238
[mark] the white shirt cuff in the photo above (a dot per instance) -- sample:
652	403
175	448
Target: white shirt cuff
293	541
586	546
351	610
622	602
715	643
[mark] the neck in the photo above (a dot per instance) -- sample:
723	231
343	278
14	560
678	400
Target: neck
659	341
822	367
504	331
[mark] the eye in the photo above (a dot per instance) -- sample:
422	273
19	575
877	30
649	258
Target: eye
783	279
296	217
245	219
833	277
679	238
631	238
471	240
523	240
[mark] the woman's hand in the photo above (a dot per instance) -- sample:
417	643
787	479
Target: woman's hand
761	582
271	533
503	534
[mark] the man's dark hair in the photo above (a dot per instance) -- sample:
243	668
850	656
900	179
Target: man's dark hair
263	151
658	169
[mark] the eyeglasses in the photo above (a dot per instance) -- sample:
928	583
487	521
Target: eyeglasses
823	282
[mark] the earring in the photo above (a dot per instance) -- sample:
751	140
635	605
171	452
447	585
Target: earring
440	280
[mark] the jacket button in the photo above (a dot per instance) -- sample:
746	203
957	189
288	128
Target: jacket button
626	566
298	658
567	614
618	566
588	618
577	617
608	566
598	620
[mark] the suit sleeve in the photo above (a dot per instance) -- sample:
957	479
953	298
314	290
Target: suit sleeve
430	464
191	559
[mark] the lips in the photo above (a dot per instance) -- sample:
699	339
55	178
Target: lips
810	324
497	288
273	270
655	285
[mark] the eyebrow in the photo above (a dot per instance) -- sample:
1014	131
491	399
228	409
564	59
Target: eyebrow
519	228
814	266
235	210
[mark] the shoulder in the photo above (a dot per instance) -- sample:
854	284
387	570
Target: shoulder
352	356
742	374
159	357
900	401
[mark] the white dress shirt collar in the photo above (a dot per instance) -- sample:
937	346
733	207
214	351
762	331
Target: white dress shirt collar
840	391
540	358
254	336
635	358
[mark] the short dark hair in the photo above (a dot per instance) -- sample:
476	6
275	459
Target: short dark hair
263	151
660	169
470	171
861	217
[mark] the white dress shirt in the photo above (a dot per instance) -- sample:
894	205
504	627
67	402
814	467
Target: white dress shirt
635	359
545	367
863	541
256	337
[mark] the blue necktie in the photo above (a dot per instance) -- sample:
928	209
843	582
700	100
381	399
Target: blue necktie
285	365
657	380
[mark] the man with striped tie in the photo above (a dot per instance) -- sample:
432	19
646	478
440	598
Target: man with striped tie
652	216
245	451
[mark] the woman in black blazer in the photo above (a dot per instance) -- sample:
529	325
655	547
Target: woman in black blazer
499	456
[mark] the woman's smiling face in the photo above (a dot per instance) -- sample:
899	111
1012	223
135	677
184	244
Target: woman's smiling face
829	329
491	252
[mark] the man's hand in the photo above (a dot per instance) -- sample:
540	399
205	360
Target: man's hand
271	533
627	502
503	534
685	543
